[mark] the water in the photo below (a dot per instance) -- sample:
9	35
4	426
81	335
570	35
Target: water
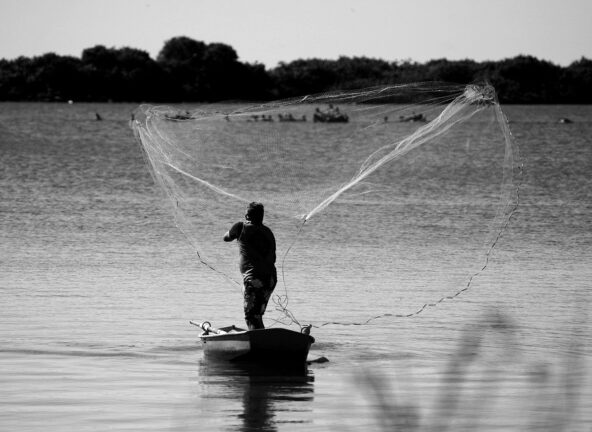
98	287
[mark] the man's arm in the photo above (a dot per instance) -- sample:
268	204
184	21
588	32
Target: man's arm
270	255
234	232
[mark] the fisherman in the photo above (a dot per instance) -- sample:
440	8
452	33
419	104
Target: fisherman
256	245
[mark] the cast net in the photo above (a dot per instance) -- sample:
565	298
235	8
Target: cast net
393	196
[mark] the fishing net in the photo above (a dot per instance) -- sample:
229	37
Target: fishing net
393	196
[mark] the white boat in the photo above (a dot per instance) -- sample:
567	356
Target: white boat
273	346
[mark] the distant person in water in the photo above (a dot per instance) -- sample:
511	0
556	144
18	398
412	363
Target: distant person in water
256	245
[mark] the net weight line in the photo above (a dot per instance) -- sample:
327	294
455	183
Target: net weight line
513	209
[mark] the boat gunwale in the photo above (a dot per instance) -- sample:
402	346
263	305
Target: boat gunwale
238	333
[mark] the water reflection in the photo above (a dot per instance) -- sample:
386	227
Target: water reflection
268	396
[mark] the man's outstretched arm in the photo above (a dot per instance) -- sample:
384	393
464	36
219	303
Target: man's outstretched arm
234	232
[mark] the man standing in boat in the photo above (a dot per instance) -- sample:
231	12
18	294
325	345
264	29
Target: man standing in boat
256	245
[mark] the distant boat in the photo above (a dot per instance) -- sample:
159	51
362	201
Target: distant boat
180	115
290	118
273	346
260	118
413	118
331	116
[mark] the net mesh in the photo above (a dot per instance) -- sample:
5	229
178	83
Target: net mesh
392	195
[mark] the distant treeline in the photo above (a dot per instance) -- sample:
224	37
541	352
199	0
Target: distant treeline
187	70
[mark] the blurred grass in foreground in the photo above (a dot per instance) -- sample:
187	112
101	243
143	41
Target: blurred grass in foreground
489	384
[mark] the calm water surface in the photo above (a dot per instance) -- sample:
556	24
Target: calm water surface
98	287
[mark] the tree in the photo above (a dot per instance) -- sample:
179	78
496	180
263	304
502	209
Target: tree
182	59
14	84
123	74
576	82
190	70
525	79
56	77
304	76
461	71
220	73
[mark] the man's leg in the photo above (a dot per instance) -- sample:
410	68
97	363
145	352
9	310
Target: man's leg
256	296
252	305
263	296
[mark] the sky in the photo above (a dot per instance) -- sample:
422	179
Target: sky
274	31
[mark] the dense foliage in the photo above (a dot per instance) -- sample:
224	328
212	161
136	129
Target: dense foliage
190	70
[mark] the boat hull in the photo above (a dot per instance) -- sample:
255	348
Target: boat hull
273	346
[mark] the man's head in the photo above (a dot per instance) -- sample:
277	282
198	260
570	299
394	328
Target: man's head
255	213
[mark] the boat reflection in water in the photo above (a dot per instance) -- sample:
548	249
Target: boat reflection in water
255	396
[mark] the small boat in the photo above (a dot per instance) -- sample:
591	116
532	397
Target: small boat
335	119
324	118
179	116
260	118
278	347
290	118
331	115
413	118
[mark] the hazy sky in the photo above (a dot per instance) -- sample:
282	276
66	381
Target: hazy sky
270	31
